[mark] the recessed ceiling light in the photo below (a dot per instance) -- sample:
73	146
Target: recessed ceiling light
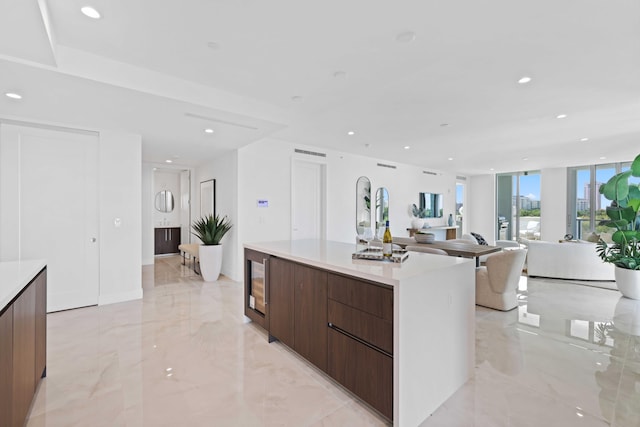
406	147
492	169
13	95
90	12
340	75
525	158
561	116
602	158
213	45
584	139
525	79
168	161
406	37
208	130
351	133
450	158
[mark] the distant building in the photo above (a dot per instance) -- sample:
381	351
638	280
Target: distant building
526	203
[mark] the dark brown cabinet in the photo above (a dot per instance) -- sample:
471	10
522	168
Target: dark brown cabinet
256	287
360	356
298	309
281	300
310	314
341	324
167	240
6	366
23	354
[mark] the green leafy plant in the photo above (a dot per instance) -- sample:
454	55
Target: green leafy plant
211	229
623	216
417	212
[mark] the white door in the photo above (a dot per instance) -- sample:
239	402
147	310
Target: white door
54	208
185	206
307	200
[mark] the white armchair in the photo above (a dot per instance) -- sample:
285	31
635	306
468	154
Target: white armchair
497	282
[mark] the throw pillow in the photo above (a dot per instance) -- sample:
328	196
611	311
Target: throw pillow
593	238
479	239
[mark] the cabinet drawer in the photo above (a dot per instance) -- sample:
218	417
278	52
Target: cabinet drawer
366	372
372	329
364	296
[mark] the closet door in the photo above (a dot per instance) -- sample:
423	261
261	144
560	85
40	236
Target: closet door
49	208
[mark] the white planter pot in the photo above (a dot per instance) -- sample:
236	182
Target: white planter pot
628	282
417	223
210	262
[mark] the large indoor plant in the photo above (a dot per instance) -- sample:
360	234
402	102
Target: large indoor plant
210	230
624	252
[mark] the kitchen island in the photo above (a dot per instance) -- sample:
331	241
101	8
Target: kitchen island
399	336
23	337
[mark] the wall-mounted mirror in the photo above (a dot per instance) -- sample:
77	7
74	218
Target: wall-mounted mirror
431	205
382	208
363	205
164	201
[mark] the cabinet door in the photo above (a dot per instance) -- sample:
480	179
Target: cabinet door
24	352
365	371
281	300
6	366
159	241
310	315
174	240
40	284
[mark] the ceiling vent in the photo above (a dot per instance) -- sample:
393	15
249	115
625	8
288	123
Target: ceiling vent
226	122
310	153
382	165
430	173
461	178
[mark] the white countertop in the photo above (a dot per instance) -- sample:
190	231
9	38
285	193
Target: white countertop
15	275
336	256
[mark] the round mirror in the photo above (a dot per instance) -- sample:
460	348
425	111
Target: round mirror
363	205
164	201
382	209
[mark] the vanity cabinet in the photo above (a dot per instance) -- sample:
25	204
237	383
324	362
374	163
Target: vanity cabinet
167	240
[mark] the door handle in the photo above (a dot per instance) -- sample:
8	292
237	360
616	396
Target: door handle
93	240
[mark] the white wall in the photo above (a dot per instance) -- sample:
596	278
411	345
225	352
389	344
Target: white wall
553	204
147	207
225	171
264	172
120	192
169	181
480	209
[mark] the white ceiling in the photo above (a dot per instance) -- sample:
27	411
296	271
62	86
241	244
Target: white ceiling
146	67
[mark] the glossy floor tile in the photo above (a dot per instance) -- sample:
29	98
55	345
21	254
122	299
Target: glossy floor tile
184	355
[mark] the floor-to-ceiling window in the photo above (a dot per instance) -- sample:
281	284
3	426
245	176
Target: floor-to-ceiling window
585	205
518	205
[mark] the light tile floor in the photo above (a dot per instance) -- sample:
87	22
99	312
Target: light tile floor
184	356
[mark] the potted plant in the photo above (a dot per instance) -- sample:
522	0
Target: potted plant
418	217
210	230
624	252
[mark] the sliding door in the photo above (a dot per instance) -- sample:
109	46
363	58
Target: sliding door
518	206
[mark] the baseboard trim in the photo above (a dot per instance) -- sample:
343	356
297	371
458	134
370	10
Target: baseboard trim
120	297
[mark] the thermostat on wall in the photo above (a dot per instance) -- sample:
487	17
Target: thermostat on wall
263	203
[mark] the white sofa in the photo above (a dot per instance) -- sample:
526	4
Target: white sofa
567	260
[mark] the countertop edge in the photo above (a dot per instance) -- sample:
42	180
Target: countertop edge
15	276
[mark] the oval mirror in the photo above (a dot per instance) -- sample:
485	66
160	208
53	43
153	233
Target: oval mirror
164	201
382	209
363	205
